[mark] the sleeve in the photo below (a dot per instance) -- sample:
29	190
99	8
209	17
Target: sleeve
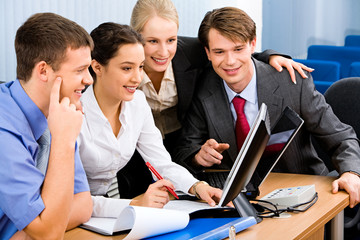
20	181
193	135
265	55
80	180
339	140
151	148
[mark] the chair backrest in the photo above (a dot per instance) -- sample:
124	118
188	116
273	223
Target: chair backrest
324	70
344	55
343	97
355	69
352	41
325	73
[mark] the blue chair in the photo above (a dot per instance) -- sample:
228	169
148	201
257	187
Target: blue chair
352	41
355	69
325	73
344	55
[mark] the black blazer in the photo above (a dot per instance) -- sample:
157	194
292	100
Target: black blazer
188	62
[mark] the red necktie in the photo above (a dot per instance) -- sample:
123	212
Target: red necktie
242	126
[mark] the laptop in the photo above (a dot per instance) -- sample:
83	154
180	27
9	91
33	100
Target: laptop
281	136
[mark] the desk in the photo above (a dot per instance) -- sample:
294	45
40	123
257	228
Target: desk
306	225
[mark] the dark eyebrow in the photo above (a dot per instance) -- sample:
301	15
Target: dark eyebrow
127	63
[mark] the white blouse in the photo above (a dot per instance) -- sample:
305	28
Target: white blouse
103	154
163	103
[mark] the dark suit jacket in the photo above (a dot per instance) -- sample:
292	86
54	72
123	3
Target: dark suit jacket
189	62
210	117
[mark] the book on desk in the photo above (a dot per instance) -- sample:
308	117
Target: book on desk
176	218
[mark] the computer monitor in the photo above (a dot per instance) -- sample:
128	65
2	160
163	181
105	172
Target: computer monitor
249	165
282	133
245	164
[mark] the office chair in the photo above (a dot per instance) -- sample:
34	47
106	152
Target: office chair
355	69
342	96
325	74
344	55
352	41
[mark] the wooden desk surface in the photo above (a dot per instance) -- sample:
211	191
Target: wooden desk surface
298	226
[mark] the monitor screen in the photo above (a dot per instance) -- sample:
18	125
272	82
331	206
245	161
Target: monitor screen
282	134
248	157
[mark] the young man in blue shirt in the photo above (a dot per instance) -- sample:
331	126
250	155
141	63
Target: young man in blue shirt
53	56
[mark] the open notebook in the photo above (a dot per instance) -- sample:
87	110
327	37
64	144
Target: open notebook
142	222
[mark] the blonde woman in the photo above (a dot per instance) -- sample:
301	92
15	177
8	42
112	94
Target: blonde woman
172	66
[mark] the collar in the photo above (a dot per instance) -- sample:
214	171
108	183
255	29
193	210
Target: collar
36	118
168	75
249	93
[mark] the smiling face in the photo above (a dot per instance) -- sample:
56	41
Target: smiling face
160	43
75	74
118	80
231	60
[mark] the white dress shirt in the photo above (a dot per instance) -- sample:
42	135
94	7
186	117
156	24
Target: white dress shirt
103	154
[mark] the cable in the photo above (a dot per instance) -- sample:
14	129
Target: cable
275	212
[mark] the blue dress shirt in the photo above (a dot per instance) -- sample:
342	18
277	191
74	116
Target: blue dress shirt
21	125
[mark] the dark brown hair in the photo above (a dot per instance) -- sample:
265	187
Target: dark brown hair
108	38
230	22
46	37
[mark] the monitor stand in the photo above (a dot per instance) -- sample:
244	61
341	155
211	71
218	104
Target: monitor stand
244	208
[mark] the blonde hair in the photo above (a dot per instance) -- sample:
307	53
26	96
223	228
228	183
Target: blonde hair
145	9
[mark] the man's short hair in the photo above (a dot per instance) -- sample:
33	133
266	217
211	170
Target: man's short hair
230	22
46	37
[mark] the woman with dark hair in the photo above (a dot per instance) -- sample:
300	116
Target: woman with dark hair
118	120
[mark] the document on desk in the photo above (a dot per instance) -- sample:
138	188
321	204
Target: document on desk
146	222
142	221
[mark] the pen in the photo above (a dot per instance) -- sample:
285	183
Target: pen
152	169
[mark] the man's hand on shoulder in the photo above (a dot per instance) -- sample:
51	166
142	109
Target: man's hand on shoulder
350	182
210	153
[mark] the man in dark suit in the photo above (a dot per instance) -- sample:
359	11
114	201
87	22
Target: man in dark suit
208	136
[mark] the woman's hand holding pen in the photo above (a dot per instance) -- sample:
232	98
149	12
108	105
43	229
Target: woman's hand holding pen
155	196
